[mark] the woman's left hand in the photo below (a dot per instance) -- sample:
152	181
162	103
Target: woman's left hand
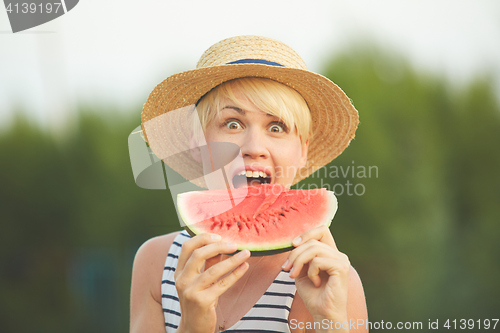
321	274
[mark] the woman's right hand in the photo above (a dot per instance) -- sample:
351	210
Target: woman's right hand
199	289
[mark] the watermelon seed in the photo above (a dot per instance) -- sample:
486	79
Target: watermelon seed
293	208
282	214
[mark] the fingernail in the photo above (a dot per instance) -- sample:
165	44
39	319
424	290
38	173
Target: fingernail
297	240
231	245
242	254
285	264
291	271
216	237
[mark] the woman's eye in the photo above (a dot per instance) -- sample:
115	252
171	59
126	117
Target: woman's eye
233	125
276	128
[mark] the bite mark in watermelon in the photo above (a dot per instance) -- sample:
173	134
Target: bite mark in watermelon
266	220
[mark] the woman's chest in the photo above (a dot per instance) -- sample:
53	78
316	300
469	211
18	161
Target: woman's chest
258	301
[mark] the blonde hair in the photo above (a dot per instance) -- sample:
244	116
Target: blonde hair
267	95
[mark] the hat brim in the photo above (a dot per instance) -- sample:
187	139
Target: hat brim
334	118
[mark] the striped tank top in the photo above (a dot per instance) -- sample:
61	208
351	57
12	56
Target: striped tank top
269	314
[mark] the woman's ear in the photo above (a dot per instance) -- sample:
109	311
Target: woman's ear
303	157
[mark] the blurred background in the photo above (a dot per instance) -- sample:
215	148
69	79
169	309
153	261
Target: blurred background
424	75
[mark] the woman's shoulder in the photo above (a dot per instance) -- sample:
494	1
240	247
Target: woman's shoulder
157	246
149	263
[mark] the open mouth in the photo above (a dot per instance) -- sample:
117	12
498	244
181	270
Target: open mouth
250	178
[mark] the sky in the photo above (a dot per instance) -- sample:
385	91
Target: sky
113	53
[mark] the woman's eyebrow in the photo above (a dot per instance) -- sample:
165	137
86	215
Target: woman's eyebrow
235	108
242	112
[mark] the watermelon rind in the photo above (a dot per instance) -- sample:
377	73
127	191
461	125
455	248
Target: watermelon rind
253	253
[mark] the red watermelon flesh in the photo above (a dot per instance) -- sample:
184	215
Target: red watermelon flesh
263	219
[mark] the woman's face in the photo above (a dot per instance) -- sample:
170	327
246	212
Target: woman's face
272	153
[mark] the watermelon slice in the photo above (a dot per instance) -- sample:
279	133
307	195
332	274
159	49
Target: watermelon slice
266	219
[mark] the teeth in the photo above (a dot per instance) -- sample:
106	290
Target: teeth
252	174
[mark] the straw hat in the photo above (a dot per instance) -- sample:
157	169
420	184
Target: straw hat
334	118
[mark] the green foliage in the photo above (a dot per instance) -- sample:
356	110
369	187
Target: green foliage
72	220
423	236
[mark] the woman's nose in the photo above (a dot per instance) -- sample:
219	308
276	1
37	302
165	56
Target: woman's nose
254	145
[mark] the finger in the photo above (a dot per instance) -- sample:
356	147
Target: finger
199	256
217	272
321	233
192	244
326	251
306	256
223	284
313	272
212	261
331	266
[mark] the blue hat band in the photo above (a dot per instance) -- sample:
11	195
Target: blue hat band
255	61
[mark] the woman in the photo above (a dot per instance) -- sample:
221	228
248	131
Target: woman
254	92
